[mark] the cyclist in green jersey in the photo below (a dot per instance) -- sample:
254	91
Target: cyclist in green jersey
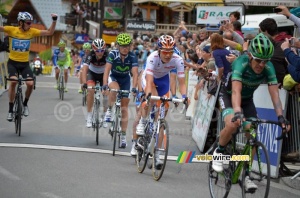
236	94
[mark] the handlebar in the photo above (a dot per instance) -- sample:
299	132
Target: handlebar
257	121
118	90
18	79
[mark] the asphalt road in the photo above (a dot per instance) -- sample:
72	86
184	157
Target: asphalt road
57	156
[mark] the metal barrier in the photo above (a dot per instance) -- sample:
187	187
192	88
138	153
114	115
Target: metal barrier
291	145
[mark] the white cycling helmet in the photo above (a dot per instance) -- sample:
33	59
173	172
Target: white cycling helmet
98	44
25	16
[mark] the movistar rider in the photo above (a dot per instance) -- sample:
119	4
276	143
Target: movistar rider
119	64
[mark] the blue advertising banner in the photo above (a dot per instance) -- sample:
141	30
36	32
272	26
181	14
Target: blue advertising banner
267	133
81	38
115	1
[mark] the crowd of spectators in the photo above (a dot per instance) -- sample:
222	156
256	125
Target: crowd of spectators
210	54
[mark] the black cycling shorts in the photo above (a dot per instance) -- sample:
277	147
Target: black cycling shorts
247	105
93	77
23	67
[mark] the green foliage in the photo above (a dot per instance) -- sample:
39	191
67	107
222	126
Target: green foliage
3	4
46	55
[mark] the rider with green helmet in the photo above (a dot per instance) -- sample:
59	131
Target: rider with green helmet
119	64
249	71
61	60
86	48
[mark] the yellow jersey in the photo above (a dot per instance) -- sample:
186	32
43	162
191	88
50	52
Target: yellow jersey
19	42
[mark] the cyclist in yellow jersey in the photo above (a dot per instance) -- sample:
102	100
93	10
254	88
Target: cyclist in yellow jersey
19	46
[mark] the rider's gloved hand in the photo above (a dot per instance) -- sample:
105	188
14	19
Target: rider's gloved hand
175	103
140	94
84	86
237	115
134	90
284	122
104	87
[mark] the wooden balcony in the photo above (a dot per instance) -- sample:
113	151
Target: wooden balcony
164	28
38	26
37	47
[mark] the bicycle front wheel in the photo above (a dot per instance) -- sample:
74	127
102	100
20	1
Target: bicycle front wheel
217	182
84	97
97	123
18	114
259	174
61	88
161	149
115	131
142	154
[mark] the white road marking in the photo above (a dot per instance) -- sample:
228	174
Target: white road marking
49	195
8	174
67	148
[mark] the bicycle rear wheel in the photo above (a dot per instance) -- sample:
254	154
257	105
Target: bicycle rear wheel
142	154
157	171
260	173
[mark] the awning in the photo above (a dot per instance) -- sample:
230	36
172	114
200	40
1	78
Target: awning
93	23
187	2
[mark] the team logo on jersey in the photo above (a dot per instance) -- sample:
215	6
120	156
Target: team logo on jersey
119	68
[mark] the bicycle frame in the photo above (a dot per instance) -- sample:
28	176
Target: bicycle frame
116	118
96	121
18	101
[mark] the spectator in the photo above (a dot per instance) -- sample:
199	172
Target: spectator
219	53
138	15
269	27
293	60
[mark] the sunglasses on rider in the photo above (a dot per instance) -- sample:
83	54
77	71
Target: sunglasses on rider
260	61
100	50
28	22
165	52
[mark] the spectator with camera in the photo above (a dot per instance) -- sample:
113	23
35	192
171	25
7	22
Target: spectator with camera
292	58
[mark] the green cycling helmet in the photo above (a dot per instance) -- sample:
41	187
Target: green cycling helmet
61	44
123	39
86	46
261	47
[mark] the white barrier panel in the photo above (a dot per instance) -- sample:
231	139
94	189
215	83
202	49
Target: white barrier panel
267	133
192	82
203	117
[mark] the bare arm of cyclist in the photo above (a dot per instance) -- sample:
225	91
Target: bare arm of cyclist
236	96
85	69
135	74
274	93
149	83
182	86
105	76
50	31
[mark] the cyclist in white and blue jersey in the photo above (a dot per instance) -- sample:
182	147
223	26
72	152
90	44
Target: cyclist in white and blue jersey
86	49
119	64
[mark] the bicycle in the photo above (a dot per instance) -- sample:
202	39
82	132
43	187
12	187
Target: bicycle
258	165
148	145
115	129
18	102
97	122
61	83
